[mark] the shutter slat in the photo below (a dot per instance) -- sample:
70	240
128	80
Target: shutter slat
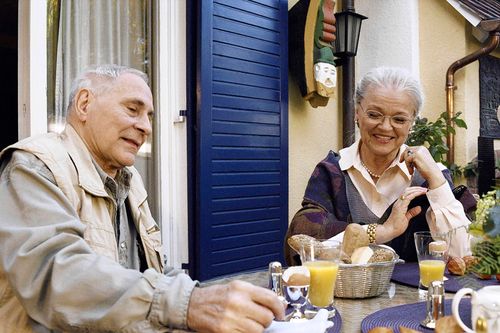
224	75
244	66
245	17
247	116
228	191
231	217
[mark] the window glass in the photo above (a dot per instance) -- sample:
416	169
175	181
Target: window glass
82	33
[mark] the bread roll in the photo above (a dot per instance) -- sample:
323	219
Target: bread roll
296	241
438	246
447	324
361	255
382	255
354	236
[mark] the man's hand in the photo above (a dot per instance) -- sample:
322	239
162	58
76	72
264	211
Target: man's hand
236	307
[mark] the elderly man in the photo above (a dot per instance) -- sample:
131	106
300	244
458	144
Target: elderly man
79	249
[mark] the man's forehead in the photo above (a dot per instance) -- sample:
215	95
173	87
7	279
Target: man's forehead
130	78
130	82
127	88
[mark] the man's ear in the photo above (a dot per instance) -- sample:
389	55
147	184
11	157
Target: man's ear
83	99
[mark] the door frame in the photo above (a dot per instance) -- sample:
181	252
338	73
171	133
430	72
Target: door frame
172	158
32	68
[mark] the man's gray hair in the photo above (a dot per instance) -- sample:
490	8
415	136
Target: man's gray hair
108	72
395	77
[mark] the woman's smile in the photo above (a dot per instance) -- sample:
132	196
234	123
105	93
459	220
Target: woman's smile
383	139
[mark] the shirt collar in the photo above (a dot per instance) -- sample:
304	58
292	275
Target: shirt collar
117	187
349	158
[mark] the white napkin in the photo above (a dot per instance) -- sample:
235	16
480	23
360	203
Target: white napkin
318	324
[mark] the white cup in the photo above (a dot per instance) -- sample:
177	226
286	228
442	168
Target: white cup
485	303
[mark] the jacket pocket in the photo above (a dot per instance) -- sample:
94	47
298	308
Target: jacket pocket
153	247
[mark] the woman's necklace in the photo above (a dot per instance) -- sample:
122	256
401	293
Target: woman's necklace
373	174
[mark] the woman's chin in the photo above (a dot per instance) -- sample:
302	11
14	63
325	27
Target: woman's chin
384	150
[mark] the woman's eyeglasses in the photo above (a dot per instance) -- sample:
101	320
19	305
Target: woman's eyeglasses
375	117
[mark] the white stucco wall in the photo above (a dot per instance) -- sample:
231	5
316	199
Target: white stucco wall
389	37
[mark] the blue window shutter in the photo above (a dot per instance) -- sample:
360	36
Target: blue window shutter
242	135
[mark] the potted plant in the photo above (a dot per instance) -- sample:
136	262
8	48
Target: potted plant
433	136
485	230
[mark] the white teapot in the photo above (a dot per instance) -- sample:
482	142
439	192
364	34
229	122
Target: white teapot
485	306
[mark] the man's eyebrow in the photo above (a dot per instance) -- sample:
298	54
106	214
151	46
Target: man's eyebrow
135	101
140	103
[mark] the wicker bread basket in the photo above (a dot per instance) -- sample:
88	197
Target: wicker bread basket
364	280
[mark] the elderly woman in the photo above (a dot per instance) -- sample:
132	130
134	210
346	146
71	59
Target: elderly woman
373	181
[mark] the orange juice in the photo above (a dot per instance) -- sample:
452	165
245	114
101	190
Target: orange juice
431	270
322	285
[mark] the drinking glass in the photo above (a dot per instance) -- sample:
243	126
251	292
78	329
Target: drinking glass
432	254
322	260
296	281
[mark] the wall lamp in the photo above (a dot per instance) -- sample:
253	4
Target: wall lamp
348	28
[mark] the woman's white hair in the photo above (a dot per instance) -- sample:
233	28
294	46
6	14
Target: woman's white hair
394	77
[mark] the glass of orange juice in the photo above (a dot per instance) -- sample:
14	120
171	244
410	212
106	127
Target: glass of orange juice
322	260
432	253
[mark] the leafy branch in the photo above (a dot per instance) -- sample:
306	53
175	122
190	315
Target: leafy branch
488	253
486	229
433	136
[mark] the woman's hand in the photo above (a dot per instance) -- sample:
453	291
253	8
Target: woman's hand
420	158
400	216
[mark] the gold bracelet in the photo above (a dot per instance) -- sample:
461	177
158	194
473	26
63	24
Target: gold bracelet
371	232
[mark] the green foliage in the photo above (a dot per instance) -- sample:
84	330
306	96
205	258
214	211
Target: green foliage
488	252
433	136
470	170
486	229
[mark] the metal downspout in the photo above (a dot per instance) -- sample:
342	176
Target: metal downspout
348	70
450	85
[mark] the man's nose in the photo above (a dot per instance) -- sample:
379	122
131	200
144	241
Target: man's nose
144	124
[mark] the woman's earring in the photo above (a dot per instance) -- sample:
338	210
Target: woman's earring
357	122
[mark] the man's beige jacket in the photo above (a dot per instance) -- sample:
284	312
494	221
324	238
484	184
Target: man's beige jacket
71	165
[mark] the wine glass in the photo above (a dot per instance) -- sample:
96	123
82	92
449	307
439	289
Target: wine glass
296	289
432	253
322	260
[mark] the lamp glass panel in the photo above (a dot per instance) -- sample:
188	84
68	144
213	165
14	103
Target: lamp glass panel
350	38
341	34
355	33
356	25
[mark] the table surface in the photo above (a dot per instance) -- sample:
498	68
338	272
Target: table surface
352	311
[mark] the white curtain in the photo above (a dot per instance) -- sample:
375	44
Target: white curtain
95	32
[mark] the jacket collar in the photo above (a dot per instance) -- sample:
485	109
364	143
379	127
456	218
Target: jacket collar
88	177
